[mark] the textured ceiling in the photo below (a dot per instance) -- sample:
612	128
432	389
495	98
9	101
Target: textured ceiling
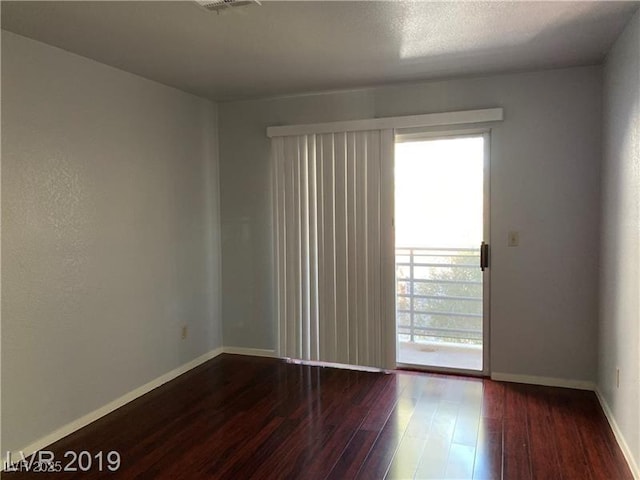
290	47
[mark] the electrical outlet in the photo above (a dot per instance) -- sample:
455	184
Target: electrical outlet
617	377
185	330
514	239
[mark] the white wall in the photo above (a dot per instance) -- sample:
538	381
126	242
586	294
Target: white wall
110	226
544	183
619	334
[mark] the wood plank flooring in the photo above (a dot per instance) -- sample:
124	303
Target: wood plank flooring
240	417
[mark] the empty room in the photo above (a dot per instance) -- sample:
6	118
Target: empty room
251	239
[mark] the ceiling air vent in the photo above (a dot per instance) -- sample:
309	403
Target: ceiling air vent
222	5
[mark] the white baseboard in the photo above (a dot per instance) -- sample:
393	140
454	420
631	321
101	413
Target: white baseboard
545	381
254	352
257	352
633	465
111	406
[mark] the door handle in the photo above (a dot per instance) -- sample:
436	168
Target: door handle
484	256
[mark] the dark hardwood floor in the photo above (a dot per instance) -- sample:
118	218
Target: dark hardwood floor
240	417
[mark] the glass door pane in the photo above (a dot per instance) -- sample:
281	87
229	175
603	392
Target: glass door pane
439	221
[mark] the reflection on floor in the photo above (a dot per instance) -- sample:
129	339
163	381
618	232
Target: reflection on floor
441	354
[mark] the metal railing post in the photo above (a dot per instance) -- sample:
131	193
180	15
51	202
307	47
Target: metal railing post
411	319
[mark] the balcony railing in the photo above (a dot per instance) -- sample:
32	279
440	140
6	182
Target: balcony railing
439	295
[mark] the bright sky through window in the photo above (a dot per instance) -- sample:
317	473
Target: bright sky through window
439	193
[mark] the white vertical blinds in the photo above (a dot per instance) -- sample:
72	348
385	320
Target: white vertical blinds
333	207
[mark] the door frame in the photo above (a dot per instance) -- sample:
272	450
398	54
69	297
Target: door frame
413	134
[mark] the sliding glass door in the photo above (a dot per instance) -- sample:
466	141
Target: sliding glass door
441	212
